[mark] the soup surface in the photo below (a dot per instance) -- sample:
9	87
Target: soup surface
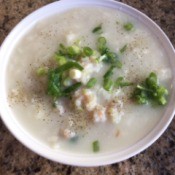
99	114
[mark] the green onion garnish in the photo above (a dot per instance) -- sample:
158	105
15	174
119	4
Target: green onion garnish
101	45
128	26
60	59
42	71
150	91
118	64
97	29
96	146
56	84
67	66
62	49
72	88
123	49
121	83
87	51
109	73
73	51
91	83
108	84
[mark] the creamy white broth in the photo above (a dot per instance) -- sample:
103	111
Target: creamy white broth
33	108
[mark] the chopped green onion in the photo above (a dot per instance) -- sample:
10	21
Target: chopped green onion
162	100
73	51
141	100
150	90
123	49
152	80
68	66
109	73
42	71
118	64
96	146
107	81
72	88
124	84
112	58
128	26
108	84
97	29
101	45
60	59
162	91
120	83
54	85
141	87
62	49
87	51
91	83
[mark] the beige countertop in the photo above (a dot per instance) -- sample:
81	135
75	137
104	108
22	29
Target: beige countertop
15	159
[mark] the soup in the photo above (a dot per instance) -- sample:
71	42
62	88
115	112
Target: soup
72	79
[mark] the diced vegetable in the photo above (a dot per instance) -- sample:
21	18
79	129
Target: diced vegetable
72	88
121	83
124	84
107	79
150	91
128	26
60	59
118	64
108	84
123	49
91	83
101	45
109	73
96	146
42	71
54	84
108	56
98	29
62	50
67	66
74	51
87	51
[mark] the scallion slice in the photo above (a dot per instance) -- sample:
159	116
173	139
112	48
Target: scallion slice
128	26
87	51
123	49
108	84
68	66
60	59
97	29
91	83
96	146
42	71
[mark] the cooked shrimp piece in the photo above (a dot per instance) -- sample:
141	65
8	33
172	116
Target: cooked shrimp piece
114	111
66	133
90	100
99	114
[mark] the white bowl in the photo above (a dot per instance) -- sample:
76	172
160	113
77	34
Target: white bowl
73	159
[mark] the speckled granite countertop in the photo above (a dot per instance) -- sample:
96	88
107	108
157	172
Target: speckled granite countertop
15	159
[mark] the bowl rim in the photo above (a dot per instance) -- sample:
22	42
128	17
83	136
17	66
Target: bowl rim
102	159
